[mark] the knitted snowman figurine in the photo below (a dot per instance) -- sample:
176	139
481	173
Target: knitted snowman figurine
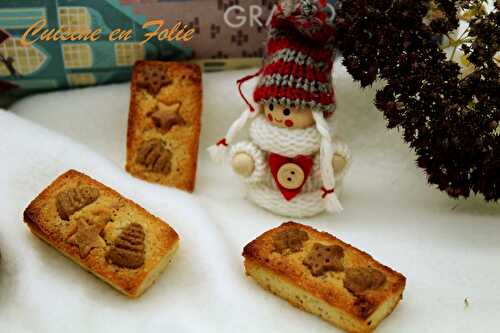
292	165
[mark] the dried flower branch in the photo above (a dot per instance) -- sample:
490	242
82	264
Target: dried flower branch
449	116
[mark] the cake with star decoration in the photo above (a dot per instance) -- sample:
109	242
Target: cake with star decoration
321	274
164	123
105	233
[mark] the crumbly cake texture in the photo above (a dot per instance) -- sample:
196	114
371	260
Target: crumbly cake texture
164	123
111	236
322	275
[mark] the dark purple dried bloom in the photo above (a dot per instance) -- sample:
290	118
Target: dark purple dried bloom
449	120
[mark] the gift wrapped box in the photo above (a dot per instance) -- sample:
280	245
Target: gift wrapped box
228	34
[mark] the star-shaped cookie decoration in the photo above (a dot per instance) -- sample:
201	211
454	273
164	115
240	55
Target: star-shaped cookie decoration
86	237
167	116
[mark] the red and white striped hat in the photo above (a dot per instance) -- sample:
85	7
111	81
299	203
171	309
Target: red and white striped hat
299	58
296	73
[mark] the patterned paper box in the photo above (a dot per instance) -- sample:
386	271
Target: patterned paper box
228	34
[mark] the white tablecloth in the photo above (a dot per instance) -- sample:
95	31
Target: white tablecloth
449	250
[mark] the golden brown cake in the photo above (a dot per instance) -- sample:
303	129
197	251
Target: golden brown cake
319	273
103	232
164	123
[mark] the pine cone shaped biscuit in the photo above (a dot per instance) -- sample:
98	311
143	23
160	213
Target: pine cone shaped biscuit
128	249
73	199
154	156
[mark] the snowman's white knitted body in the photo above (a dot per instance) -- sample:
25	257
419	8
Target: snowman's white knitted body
265	138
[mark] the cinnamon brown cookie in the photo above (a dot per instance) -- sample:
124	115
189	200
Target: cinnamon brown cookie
165	112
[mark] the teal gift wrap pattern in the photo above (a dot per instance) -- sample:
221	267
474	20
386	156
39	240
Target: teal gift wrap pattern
61	64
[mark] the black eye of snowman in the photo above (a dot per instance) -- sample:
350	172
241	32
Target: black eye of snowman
271	107
286	112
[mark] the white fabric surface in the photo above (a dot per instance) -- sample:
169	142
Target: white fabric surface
449	250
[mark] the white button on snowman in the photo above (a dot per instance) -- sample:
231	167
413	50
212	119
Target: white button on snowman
291	176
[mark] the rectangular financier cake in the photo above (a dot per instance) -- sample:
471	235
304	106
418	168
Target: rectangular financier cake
164	123
103	232
319	273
